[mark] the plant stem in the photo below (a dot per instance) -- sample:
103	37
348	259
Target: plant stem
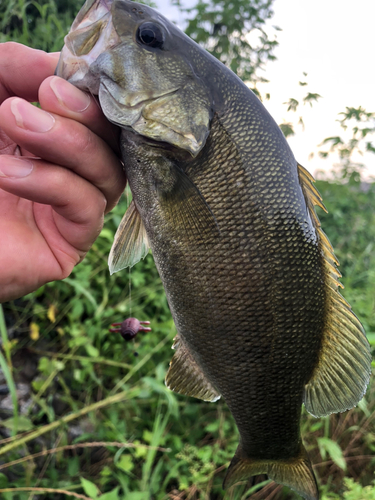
45	490
117	398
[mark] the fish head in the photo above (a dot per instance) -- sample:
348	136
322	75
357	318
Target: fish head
139	65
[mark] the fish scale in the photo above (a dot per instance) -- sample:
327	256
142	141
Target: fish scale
233	325
250	277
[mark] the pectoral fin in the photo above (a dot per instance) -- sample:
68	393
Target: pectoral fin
187	209
295	472
185	377
130	244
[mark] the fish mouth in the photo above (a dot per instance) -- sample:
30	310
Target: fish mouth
91	34
135	100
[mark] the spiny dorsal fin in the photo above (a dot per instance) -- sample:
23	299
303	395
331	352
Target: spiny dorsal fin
295	472
341	376
130	244
185	377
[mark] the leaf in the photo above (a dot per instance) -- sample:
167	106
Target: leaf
111	495
310	97
138	495
3	481
92	351
89	488
45	365
364	407
329	446
287	129
21	423
140	451
107	234
292	104
213	426
334	140
73	466
125	463
147	436
58	365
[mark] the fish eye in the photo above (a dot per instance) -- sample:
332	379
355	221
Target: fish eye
150	34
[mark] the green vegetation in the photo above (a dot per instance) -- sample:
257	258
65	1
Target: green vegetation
88	416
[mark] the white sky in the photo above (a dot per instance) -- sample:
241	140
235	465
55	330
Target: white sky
333	42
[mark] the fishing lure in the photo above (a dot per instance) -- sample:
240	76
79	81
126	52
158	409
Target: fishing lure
130	327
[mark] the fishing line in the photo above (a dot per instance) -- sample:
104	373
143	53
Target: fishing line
130	280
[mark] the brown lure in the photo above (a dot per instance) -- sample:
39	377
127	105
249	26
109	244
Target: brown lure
130	327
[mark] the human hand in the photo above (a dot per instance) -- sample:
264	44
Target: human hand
51	207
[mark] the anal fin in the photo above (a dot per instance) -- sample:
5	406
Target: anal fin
186	377
295	472
130	244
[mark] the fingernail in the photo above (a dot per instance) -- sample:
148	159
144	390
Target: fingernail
30	117
14	167
69	96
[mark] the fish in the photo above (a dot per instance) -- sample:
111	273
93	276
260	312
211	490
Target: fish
251	279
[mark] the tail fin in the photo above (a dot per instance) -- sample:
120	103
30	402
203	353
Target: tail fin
296	472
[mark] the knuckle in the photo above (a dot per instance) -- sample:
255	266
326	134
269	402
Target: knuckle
92	213
8	49
66	271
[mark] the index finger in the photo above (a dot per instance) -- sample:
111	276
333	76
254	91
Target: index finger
23	69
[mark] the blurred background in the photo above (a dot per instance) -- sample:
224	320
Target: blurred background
86	415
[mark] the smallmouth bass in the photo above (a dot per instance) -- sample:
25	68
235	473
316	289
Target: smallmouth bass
250	277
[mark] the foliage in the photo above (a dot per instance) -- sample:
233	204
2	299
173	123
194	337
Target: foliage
358	126
41	24
353	491
234	33
350	225
96	419
293	105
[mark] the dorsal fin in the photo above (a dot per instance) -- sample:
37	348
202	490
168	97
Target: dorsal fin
342	373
